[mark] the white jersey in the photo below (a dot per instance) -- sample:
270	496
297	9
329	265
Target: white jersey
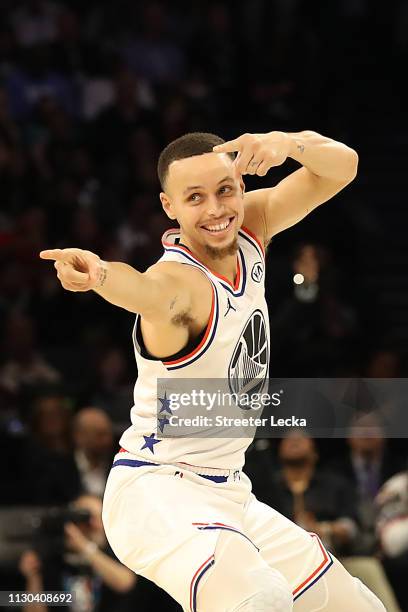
234	347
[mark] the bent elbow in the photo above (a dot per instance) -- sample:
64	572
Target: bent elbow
353	165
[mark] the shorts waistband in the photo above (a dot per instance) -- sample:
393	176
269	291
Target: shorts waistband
214	474
204	471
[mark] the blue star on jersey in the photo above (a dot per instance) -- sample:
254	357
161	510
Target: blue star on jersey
165	404
163	422
150	441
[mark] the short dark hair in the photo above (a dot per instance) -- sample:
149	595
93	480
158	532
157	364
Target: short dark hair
189	145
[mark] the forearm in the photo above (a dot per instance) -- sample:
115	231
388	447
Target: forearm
114	574
123	286
323	156
34	584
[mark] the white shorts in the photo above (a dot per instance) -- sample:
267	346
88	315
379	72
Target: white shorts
163	521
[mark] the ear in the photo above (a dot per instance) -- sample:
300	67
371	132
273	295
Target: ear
167	206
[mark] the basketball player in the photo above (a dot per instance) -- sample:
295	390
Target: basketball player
179	511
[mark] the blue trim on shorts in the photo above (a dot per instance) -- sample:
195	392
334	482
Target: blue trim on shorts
137	463
210	564
205	527
132	462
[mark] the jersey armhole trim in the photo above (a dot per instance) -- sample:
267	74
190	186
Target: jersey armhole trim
250	236
206	340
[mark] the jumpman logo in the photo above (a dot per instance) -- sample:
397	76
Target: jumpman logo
230	307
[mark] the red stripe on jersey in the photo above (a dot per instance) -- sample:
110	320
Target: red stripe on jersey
248	231
203	341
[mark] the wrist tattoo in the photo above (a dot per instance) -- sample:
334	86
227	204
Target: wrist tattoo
301	147
102	274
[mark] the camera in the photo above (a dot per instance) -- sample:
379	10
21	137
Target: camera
38	527
49	536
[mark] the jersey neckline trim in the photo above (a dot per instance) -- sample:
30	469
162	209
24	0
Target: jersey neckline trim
183	249
237	289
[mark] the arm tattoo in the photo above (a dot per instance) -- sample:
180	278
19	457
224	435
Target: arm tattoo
173	301
301	147
102	274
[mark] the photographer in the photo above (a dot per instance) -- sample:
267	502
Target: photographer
79	562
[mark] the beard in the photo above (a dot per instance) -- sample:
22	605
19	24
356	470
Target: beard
221	252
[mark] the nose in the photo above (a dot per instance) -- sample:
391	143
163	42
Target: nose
216	207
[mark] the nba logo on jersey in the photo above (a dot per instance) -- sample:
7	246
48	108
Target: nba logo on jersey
257	272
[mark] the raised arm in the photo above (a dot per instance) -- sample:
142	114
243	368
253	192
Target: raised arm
150	293
328	166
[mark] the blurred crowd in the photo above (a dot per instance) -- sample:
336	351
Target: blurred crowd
89	94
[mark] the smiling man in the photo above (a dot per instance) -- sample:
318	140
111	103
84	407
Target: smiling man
180	510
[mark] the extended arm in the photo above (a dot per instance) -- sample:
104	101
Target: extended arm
114	574
150	293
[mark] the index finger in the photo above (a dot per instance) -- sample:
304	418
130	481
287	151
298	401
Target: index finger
57	254
229	147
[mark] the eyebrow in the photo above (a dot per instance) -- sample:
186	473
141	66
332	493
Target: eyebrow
226	178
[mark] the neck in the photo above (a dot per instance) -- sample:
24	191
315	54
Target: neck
94	460
222	261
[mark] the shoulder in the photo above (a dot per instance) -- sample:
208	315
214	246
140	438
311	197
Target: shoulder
174	275
174	271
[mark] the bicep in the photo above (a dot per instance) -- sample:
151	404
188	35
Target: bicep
292	199
169	294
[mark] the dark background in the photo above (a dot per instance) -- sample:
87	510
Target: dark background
89	95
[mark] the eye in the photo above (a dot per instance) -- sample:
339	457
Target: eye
225	189
194	197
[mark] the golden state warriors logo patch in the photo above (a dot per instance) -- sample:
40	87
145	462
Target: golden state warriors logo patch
248	368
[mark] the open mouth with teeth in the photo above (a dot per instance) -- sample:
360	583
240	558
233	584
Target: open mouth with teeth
218	228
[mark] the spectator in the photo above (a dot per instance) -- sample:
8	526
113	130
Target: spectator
51	422
392	529
93	440
317	500
325	324
84	567
114	126
43	471
113	387
366	466
321	501
153	54
35	22
35	79
24	365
